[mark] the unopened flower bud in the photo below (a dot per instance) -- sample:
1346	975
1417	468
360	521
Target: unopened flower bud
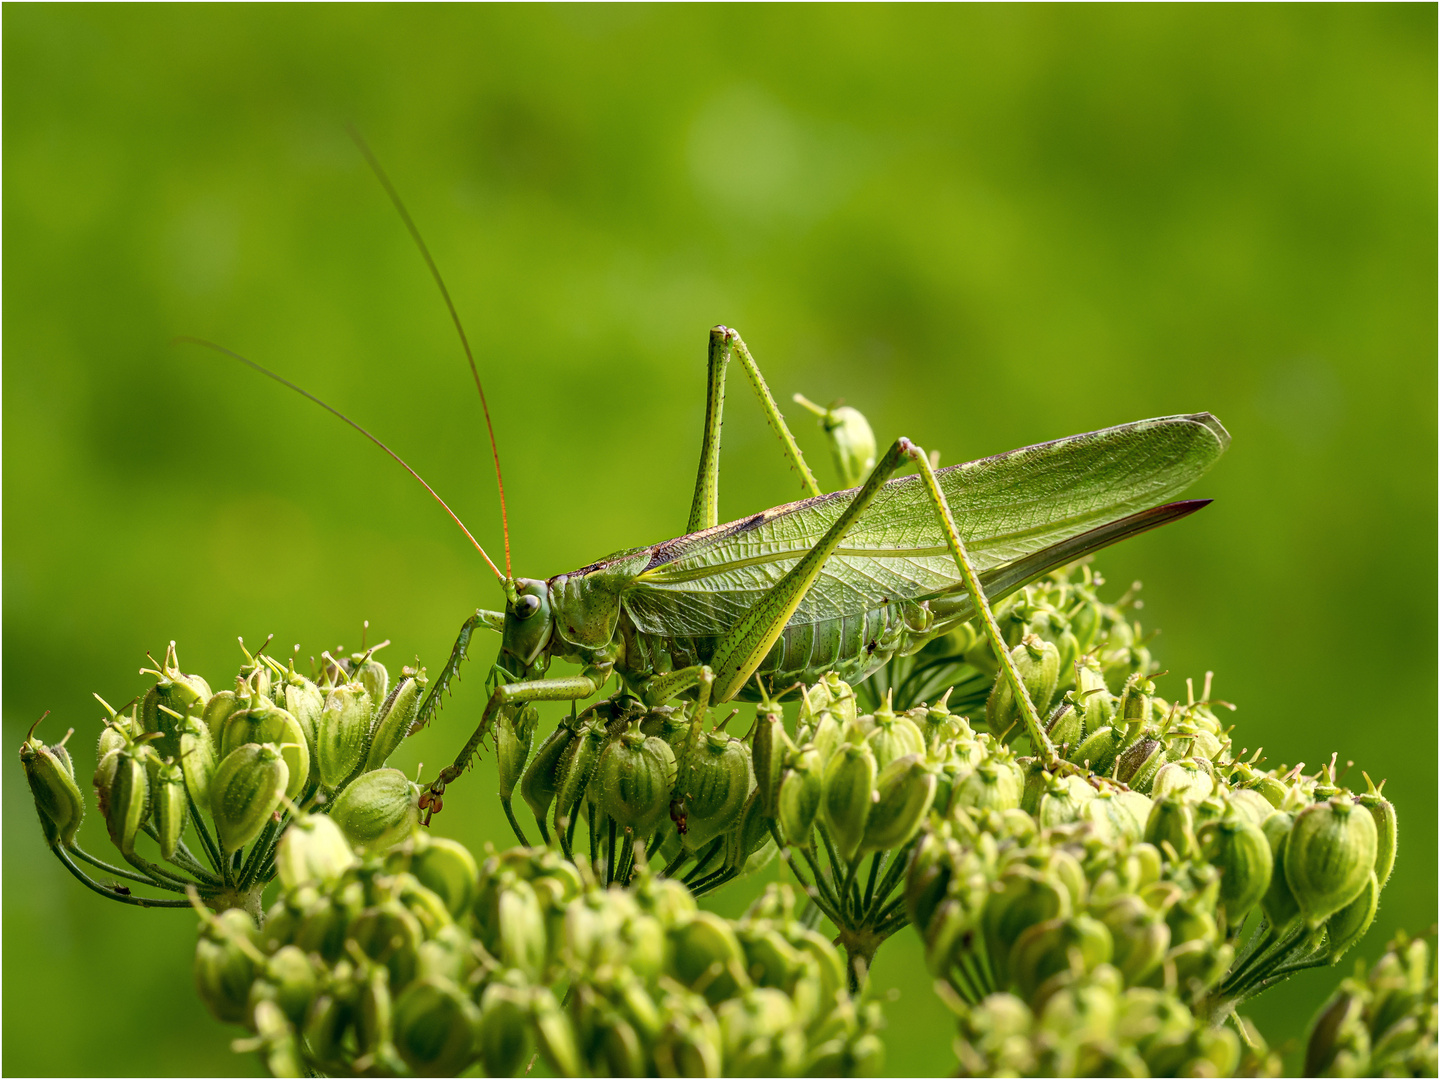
1329	856
393	721
304	701
1133	709
247	788
378	810
514	735
849	794
217	711
313	850
51	776
1065	726
1239	850
1383	811
1063	801
1124	813
634	780
906	789
342	733
1038	663
266	722
800	793
225	966
1249	804
435	1028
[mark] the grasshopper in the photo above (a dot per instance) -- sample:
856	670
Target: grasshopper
842	582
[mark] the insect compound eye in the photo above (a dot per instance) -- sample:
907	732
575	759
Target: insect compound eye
526	606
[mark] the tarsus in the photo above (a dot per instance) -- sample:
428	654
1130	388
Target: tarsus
454	316
330	408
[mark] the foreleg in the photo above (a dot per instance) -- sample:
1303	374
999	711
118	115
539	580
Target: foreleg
495	620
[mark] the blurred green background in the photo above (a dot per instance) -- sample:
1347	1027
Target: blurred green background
985	227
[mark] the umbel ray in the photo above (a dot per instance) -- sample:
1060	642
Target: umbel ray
844	581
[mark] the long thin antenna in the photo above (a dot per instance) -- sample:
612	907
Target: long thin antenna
454	316
306	393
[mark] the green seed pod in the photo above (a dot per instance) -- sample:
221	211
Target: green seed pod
224	965
554	1036
504	1029
373	1013
538	783
634	780
1133	710
749	846
393	721
1349	924
852	443
58	801
1093	695
1271	789
906	790
1340	1040
170	807
690	1038
714	780
390	935
1097	750
1050	947
217	711
761	1034
447	869
1139	763
1118	813
1239	850
1279	904
313	851
266	722
371	674
1038	663
994	785
342	733
575	770
1329	856
514	735
1172	821
378	810
435	1028
197	759
247	788
894	737
1249	804
178	693
1023	897
305	702
707	956
1383	812
1065	725
849	795
1062	802
1186	779
127	806
768	747
1140	935
292	976
523	938
800	793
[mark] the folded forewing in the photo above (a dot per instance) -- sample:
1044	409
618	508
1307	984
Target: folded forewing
1006	507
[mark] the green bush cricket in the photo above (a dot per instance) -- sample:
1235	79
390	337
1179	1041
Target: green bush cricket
843	581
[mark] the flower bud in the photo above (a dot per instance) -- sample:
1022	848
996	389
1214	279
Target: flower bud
514	735
393	721
634	780
1038	664
1097	751
313	850
225	965
994	785
378	810
341	734
1329	856
1279	905
539	781
170	807
51	776
1383	812
197	759
906	789
435	1028
447	869
504	1029
127	803
849	794
247	788
800	793
266	722
1172	821
714	781
1239	850
1349	924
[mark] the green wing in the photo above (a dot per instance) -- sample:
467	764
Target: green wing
1008	507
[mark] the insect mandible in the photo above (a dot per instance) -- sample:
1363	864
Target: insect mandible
842	582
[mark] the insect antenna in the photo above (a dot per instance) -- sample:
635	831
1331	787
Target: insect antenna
330	408
380	175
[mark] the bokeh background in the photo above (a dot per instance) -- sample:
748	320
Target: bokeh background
985	227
